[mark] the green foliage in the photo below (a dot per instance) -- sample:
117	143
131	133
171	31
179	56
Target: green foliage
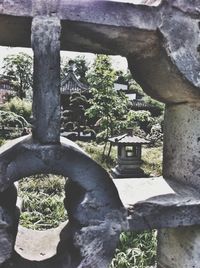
10	119
143	119
95	151
135	250
159	106
107	106
81	68
14	117
152	161
18	106
133	85
156	135
2	141
42	201
49	184
18	68
73	119
45	212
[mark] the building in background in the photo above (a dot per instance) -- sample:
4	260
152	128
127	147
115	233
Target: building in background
6	90
70	85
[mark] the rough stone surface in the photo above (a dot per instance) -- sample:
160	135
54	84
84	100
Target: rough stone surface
179	247
160	42
150	202
8	223
155	203
182	144
46	79
92	201
25	158
162	45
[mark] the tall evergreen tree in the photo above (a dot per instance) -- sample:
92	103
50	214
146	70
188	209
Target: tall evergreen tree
107	105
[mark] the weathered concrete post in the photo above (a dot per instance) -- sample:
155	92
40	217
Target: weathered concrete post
180	247
45	40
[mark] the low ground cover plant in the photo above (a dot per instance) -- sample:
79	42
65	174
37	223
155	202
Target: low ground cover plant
42	201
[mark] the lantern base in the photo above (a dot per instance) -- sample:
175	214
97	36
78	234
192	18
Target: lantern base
116	172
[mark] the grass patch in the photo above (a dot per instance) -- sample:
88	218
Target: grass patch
152	161
152	157
135	250
96	151
42	201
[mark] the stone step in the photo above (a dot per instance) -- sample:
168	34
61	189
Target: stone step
154	203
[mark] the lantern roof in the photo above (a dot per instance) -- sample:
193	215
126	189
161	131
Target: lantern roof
128	138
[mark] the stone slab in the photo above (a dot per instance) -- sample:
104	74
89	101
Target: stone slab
39	249
158	203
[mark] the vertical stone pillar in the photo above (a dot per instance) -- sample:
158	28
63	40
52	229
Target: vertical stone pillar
181	161
45	39
9	216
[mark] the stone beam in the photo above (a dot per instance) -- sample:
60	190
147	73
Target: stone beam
84	23
160	42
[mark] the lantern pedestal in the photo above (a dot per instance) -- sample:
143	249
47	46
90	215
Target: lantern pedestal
118	172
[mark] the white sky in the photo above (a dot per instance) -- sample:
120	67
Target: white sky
142	2
119	63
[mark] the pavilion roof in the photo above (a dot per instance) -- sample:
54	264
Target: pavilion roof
70	83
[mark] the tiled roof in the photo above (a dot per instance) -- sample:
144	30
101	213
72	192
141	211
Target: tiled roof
127	139
70	84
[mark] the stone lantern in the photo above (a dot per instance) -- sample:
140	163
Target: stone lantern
129	156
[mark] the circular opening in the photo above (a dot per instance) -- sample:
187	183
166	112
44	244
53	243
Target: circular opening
42	215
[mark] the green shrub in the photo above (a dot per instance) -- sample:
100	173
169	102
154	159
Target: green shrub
12	125
2	141
96	150
11	119
19	107
158	106
143	119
